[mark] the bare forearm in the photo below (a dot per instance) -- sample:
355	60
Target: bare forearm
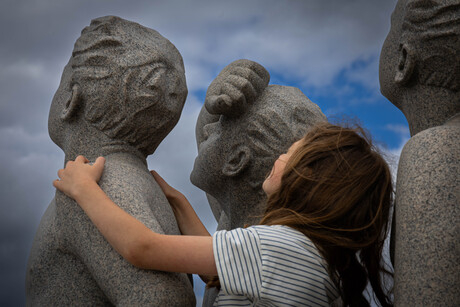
142	247
187	219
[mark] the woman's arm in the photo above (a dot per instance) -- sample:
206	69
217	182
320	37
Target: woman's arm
189	223
132	239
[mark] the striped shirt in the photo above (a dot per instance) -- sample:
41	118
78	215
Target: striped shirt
270	266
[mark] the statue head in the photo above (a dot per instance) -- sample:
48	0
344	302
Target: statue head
237	152
421	49
125	80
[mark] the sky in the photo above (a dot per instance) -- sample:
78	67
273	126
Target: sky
327	48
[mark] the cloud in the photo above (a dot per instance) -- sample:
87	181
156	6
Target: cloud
401	130
24	70
29	164
312	40
365	72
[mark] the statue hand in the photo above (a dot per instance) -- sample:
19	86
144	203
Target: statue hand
237	85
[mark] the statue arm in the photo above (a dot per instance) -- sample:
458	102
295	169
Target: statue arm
426	240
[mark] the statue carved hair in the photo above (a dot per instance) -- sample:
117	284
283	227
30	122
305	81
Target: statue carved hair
277	118
433	27
121	74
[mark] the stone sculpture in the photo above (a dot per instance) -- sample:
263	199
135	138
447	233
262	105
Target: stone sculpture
120	94
420	74
205	118
240	82
243	127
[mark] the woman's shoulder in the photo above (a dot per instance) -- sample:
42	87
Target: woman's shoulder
287	240
281	232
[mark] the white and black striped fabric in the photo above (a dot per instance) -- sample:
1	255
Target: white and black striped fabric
270	266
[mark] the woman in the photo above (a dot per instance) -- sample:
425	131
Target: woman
318	243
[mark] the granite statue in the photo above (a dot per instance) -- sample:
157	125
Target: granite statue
240	82
121	93
245	124
205	118
420	74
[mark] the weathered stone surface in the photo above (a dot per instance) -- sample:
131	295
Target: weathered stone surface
420	74
427	218
250	128
120	94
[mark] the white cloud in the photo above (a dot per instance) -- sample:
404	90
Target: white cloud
24	69
313	40
401	130
366	74
29	164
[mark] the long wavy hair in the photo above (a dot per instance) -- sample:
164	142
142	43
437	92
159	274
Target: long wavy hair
337	190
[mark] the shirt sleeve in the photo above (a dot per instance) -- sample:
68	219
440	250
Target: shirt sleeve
238	261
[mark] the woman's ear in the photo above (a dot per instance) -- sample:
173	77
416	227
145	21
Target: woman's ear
71	104
237	161
406	64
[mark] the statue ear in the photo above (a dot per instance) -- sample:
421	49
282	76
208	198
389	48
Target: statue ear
237	161
406	64
71	104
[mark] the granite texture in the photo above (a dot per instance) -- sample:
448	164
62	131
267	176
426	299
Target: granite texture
420	74
427	246
243	127
120	94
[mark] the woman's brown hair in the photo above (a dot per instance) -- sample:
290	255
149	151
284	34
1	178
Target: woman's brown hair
337	190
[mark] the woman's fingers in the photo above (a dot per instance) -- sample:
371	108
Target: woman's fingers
158	178
168	190
99	163
82	159
56	183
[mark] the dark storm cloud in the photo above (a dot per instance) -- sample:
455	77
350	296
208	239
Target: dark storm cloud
306	42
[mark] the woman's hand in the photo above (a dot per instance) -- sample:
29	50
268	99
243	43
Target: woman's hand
187	220
168	190
78	175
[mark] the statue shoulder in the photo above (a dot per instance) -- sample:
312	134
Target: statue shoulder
131	186
435	141
127	181
430	158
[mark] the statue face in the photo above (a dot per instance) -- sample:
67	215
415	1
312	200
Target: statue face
389	55
204	118
207	170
